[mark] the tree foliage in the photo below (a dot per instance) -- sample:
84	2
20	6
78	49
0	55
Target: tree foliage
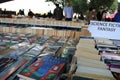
83	5
114	6
110	4
79	6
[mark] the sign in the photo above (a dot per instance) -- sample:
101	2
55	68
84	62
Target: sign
110	30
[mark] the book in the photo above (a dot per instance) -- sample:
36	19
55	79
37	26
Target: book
94	73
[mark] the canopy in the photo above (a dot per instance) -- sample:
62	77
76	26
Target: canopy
2	1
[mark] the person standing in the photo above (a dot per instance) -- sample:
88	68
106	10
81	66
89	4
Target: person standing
68	11
22	12
100	14
91	15
30	13
58	12
0	10
117	17
50	15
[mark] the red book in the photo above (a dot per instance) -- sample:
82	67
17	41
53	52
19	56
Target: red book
33	67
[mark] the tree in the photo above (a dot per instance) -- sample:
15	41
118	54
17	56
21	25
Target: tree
79	5
114	6
105	3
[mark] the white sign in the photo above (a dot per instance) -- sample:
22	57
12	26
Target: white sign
103	29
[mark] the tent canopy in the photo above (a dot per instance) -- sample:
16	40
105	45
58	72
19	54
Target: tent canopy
2	1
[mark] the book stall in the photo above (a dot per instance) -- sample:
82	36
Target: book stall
43	49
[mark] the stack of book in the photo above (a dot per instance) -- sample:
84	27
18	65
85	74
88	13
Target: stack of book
88	61
109	52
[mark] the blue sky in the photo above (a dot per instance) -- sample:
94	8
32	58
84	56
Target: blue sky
37	6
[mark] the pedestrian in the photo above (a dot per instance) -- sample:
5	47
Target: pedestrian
30	13
68	12
91	15
117	17
100	13
58	12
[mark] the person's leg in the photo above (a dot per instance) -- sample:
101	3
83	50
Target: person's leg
68	19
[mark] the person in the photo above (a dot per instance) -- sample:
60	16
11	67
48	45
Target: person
22	12
100	14
44	15
81	16
91	15
117	17
68	11
108	16
58	12
104	15
30	13
4	11
1	11
50	14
